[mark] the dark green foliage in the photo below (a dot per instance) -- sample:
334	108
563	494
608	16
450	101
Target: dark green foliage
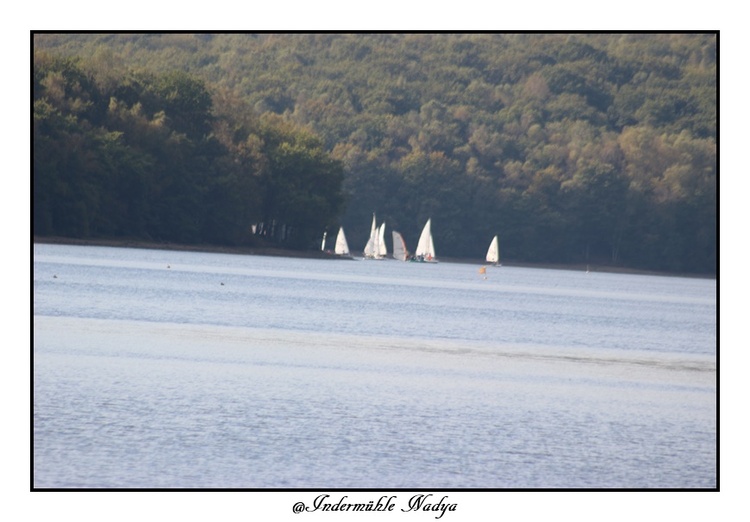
301	185
572	148
166	162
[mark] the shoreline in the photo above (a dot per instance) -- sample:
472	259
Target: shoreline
153	245
313	254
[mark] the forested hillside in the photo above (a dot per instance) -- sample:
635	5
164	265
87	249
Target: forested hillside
578	148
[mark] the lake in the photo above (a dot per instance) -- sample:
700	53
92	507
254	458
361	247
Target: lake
170	369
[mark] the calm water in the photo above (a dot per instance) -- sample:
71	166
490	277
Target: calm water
171	369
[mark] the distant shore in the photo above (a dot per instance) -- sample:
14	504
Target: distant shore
154	245
316	254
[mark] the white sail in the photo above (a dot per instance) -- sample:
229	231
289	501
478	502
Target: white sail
382	249
426	247
342	247
399	247
424	240
323	243
371	249
493	253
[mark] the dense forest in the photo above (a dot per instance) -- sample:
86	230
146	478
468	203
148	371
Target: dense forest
580	148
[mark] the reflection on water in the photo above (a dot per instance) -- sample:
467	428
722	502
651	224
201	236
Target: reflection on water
175	369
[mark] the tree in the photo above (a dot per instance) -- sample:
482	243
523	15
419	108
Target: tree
595	203
509	130
301	186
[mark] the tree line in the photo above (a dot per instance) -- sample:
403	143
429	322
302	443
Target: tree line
158	157
572	148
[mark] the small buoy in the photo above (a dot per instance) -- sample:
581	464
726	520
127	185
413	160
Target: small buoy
55	276
169	266
222	284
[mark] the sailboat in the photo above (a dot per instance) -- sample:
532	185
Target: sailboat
371	246
493	253
426	247
342	247
399	247
375	248
382	249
